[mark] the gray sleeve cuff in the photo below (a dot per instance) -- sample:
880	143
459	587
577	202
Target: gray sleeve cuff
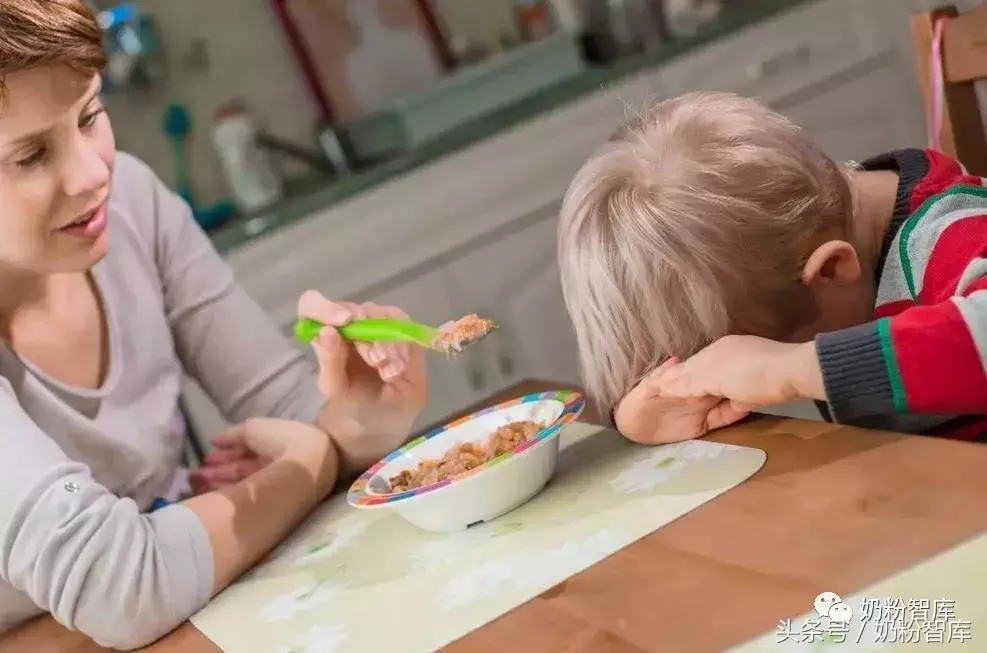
854	373
99	566
184	542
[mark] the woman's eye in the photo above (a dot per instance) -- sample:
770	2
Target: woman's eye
33	159
89	119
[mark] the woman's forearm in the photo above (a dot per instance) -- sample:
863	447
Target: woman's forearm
246	520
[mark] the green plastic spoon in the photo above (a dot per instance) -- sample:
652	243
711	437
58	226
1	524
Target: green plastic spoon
450	338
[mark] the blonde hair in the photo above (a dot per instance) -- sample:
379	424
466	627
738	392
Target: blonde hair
693	222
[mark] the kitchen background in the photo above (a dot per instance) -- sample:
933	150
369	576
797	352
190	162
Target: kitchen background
206	54
414	152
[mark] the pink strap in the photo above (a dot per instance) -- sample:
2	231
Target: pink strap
936	89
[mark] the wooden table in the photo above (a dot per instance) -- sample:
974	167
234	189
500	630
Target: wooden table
834	509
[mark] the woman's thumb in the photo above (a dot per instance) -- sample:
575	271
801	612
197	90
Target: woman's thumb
332	353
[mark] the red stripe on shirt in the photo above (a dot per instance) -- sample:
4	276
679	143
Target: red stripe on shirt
938	361
944	172
957	245
974	286
892	308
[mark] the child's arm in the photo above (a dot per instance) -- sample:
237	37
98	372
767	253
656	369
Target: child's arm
646	417
927	359
930	358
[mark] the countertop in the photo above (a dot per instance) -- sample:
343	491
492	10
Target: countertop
306	196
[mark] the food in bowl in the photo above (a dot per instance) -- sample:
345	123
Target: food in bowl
483	493
465	456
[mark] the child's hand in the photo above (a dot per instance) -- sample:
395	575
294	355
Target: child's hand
229	462
647	417
749	372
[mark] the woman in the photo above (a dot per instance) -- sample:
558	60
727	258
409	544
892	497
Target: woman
110	293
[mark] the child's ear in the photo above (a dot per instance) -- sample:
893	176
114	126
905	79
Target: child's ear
834	261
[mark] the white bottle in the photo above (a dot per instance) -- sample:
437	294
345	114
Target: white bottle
246	166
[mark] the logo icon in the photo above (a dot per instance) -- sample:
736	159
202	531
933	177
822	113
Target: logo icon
841	612
831	605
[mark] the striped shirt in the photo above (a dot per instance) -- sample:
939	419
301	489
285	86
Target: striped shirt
920	364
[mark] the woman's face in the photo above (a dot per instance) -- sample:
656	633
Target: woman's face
56	161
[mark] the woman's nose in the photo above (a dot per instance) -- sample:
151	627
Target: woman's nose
84	172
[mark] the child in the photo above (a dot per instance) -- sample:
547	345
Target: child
715	260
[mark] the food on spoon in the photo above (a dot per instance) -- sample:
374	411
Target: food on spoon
465	456
455	336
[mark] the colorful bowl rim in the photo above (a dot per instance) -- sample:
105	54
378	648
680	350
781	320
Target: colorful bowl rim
572	405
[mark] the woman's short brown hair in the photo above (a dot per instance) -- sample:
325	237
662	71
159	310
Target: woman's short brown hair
36	33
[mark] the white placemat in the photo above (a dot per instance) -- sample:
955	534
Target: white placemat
359	581
939	602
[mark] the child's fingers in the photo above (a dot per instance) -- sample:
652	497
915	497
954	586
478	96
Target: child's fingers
653	382
661	369
677	382
724	414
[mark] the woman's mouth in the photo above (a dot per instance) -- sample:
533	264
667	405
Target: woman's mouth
89	225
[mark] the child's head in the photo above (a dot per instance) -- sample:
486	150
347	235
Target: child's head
707	215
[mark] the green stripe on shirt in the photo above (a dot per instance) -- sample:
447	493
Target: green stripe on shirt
891	365
976	193
906	264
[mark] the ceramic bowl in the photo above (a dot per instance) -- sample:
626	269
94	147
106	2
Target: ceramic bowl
482	493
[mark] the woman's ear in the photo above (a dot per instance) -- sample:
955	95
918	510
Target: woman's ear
835	261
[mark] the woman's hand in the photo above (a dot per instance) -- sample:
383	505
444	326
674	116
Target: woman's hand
246	448
304	445
229	462
246	519
645	416
373	392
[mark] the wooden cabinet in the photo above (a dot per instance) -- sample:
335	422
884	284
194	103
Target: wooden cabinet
834	67
796	49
